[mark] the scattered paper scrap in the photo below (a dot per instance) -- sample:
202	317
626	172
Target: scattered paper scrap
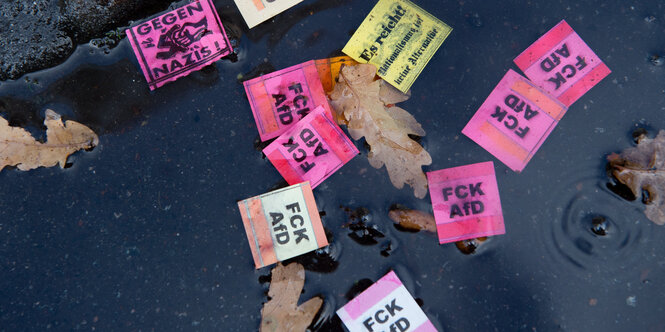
18	148
329	70
642	169
280	99
466	202
399	38
282	224
562	64
413	219
385	306
366	107
312	150
183	40
282	312
515	120
256	12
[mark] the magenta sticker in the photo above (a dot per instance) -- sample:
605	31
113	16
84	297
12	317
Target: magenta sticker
562	64
514	120
280	99
312	150
466	202
385	306
183	40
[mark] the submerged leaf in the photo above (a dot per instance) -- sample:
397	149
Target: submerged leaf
365	106
282	312
18	148
642	169
413	219
469	246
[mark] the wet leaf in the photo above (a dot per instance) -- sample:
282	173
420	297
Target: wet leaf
18	148
413	219
365	106
469	246
642	169
282	312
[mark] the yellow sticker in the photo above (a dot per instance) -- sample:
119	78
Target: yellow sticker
399	38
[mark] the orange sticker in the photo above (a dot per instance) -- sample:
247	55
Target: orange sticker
329	70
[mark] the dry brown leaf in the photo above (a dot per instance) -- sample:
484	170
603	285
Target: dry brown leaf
18	148
642	169
365	106
282	312
413	219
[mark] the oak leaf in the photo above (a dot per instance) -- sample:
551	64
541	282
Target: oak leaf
18	148
413	219
366	107
282	312
642	169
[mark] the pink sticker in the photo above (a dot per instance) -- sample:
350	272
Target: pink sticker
466	202
515	120
183	40
280	99
312	150
385	306
562	64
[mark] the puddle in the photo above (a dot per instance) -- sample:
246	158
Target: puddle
143	232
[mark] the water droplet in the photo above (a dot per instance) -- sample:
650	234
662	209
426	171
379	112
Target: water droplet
599	225
631	301
656	60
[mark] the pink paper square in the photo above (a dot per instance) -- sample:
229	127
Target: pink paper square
183	40
514	120
385	306
312	150
466	202
280	99
562	64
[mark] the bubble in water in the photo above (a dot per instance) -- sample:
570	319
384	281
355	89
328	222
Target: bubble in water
599	225
631	301
656	60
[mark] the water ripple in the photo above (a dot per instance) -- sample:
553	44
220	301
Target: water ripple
593	229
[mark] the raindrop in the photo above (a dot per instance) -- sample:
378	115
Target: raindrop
599	225
656	60
631	301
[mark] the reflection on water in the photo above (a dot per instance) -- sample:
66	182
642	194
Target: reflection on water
594	229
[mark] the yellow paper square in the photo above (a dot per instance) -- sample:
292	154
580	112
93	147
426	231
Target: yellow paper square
399	38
